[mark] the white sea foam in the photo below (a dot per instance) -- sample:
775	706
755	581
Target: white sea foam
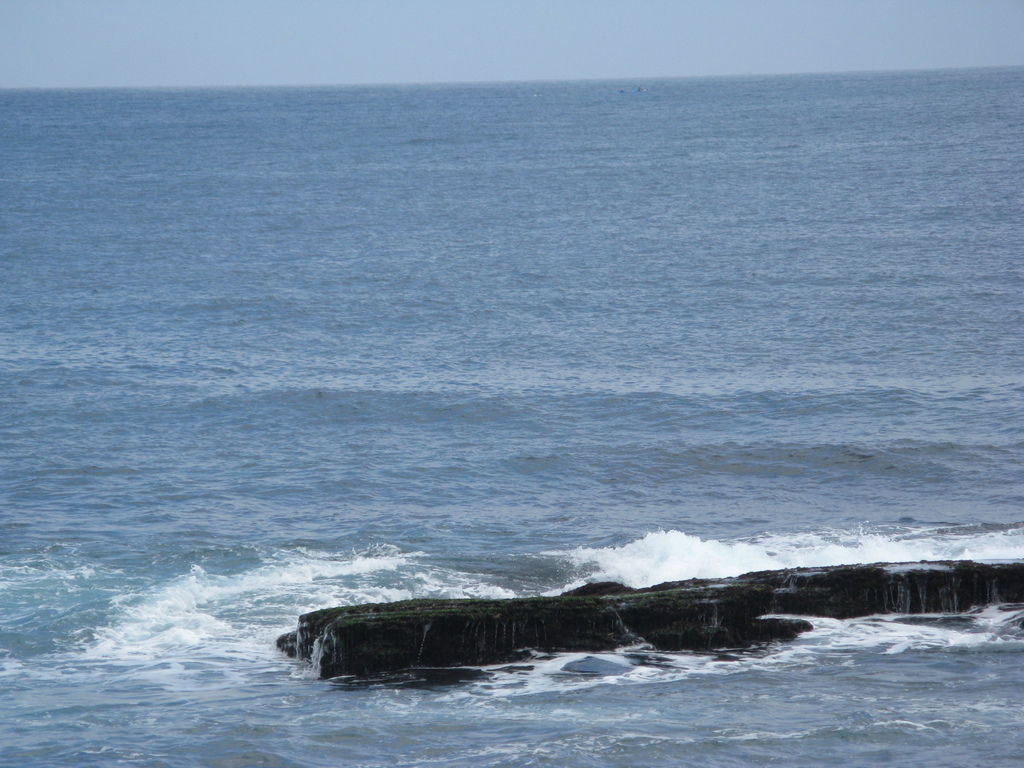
673	555
201	621
891	634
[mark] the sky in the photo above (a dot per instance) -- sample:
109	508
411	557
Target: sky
99	43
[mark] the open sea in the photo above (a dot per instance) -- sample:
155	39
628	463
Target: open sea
264	351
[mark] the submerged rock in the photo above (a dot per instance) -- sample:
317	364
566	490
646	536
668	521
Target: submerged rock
694	615
591	665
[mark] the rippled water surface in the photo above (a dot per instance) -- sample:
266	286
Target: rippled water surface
269	350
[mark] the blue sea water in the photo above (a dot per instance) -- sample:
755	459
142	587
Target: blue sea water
269	350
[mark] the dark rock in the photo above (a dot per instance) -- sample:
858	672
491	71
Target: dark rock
599	588
364	639
696	615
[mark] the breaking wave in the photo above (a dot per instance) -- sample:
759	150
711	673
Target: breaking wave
674	555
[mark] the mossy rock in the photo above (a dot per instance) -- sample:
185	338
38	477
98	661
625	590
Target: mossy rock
697	615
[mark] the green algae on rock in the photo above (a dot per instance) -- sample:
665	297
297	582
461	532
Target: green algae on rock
693	615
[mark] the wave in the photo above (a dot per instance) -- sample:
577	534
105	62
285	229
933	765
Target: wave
674	555
410	408
204	615
609	398
924	461
198	629
194	608
610	437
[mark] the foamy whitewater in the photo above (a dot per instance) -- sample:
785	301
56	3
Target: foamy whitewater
265	351
672	555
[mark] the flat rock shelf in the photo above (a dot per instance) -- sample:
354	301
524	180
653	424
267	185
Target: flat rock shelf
693	615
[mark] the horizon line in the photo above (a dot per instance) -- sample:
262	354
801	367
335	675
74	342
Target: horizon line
509	81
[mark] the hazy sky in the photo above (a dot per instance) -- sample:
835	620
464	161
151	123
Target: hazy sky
271	42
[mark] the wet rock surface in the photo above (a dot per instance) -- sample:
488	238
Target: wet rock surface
693	615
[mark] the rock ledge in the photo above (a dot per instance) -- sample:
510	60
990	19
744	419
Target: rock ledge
693	615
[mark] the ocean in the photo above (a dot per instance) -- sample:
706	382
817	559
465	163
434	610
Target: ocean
268	350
